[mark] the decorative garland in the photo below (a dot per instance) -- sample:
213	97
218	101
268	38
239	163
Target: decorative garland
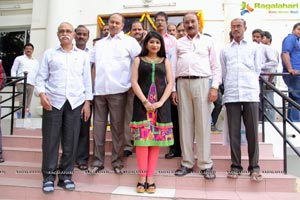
100	22
148	17
201	20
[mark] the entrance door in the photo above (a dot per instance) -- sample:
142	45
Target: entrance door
11	46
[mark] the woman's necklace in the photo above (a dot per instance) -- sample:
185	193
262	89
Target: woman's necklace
153	58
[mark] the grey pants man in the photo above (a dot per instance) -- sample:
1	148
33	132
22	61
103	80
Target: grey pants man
194	121
29	93
128	116
249	111
60	127
115	105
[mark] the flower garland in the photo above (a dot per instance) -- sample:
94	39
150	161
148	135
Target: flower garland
148	17
100	22
201	20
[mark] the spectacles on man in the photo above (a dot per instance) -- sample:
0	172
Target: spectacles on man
68	31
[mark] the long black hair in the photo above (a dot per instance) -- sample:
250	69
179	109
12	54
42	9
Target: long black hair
152	34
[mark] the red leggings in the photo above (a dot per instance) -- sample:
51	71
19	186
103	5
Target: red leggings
147	159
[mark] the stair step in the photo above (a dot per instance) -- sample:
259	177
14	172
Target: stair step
244	189
272	182
217	148
221	163
20	176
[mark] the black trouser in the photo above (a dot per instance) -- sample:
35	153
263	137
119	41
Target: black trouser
83	148
249	112
60	126
175	148
217	109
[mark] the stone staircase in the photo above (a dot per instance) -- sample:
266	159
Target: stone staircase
20	176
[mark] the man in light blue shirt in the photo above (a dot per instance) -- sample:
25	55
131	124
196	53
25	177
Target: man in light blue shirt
291	63
241	66
64	86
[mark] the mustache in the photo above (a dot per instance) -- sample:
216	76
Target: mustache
190	27
64	36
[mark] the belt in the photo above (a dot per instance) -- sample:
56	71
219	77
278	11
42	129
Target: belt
191	77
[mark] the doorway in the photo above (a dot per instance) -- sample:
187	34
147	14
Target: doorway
11	46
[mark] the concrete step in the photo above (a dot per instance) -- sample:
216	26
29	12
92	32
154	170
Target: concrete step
272	181
217	148
242	189
221	163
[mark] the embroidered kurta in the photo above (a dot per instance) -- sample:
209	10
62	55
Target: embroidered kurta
155	128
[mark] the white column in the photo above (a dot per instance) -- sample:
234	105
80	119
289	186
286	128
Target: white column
61	11
231	11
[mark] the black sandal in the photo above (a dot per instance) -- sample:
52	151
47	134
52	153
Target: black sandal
151	188
140	188
66	184
48	187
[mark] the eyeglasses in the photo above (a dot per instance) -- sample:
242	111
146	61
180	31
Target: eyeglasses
160	20
69	31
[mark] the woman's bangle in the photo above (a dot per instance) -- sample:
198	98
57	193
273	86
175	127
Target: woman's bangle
146	101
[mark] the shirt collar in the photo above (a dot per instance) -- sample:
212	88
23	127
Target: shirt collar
120	35
196	36
74	48
28	57
241	42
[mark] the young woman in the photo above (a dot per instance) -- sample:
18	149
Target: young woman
151	122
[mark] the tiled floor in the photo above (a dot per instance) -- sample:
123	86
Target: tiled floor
198	194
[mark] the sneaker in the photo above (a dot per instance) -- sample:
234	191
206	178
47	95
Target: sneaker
18	115
28	114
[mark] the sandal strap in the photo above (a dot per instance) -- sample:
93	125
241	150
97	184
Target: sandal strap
141	185
48	186
151	185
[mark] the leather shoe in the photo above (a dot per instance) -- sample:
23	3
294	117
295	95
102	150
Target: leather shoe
127	153
83	167
118	170
171	155
208	174
183	171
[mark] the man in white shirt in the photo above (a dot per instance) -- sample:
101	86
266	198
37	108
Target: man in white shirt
112	58
270	60
64	86
26	63
241	65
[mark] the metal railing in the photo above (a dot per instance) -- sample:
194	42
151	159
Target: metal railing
11	82
287	103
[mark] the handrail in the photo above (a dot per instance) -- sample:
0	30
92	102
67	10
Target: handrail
285	120
12	82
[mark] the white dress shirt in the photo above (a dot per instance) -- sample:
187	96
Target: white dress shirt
270	59
196	57
241	66
113	58
65	76
24	63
